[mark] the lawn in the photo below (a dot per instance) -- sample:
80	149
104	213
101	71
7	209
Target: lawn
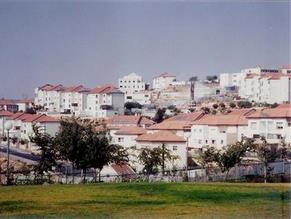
141	200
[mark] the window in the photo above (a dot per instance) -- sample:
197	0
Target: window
279	125
199	141
213	141
120	139
256	136
206	141
253	125
221	142
175	148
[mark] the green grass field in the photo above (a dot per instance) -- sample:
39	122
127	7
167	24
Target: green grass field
141	200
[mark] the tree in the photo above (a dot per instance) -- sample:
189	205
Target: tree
131	105
153	158
205	110
207	157
233	155
267	153
48	157
244	104
160	115
232	105
215	106
102	153
71	144
80	143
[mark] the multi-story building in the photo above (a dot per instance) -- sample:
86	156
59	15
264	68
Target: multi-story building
231	79
274	124
163	81
131	83
134	89
61	99
268	88
219	130
105	101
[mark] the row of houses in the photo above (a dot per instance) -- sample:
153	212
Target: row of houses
185	134
22	127
102	101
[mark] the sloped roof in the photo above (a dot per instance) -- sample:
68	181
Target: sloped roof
180	122
130	130
160	136
129	120
4	113
278	112
123	169
105	89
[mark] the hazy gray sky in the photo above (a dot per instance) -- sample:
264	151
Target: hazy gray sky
95	42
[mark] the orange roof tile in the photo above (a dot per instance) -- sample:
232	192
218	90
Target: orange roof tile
4	113
105	89
160	136
129	120
225	120
182	121
130	130
278	112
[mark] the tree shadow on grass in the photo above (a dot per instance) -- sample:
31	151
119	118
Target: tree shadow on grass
14	206
116	202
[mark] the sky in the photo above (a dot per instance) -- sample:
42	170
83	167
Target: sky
96	42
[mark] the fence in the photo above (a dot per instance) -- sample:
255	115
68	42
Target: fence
279	172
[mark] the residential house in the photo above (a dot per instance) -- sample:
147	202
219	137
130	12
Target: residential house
163	81
219	130
105	101
272	123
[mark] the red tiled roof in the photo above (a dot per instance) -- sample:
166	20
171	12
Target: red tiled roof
160	136
129	120
4	113
186	116
130	130
15	115
60	87
122	169
46	119
182	121
278	112
105	89
225	120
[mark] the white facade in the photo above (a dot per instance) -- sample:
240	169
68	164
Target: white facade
131	83
231	79
141	97
215	136
163	81
60	99
105	101
269	89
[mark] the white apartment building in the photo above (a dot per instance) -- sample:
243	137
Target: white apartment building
105	101
231	79
269	88
163	81
134	89
273	124
61	99
219	130
131	83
